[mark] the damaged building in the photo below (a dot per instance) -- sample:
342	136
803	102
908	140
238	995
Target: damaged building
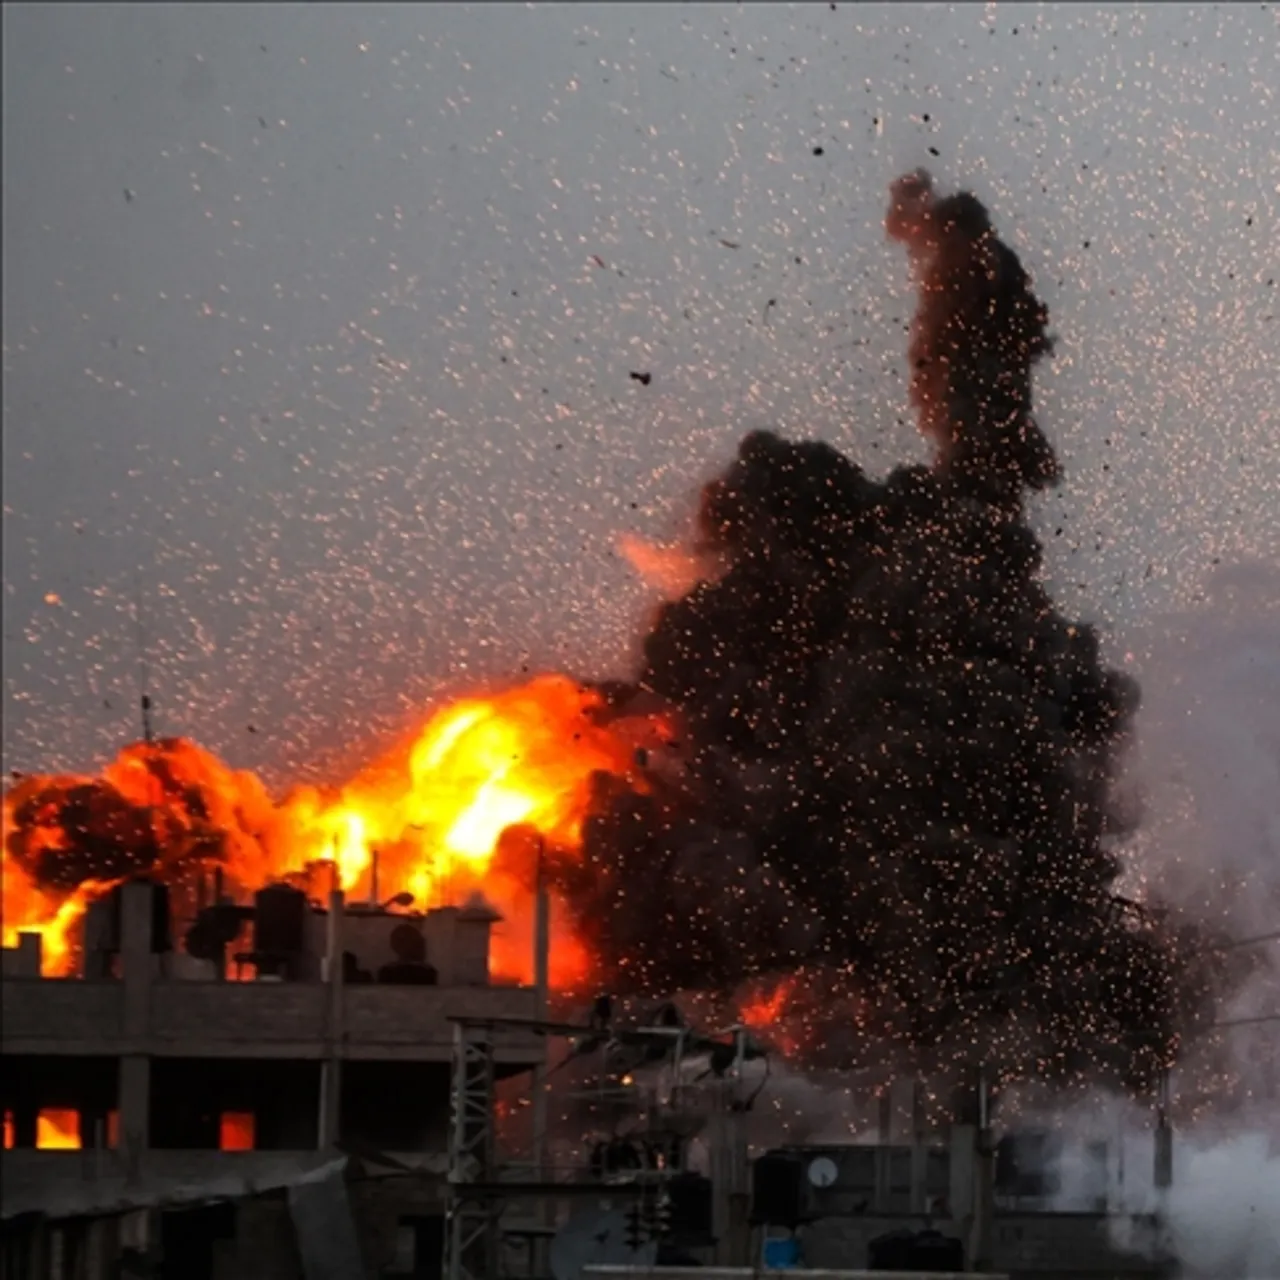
307	1092
279	1084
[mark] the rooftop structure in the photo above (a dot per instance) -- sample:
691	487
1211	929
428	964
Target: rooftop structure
153	1068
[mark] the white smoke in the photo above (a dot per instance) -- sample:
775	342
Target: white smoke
1207	752
1220	1219
1223	1210
1206	762
1207	765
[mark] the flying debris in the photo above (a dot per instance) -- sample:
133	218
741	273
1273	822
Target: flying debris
860	785
897	773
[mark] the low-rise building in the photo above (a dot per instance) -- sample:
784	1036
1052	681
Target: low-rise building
157	1079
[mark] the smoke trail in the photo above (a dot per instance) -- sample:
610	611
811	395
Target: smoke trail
898	753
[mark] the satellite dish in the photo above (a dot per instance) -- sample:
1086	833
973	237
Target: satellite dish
823	1172
597	1238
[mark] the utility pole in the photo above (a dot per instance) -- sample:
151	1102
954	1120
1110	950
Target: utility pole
541	982
731	1204
331	1065
973	1167
983	1179
1163	1171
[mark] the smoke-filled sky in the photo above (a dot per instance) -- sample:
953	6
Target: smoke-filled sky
319	323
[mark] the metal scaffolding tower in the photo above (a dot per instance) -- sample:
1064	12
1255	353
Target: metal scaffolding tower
471	1220
479	1189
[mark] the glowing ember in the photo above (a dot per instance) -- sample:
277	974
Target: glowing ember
763	1009
433	810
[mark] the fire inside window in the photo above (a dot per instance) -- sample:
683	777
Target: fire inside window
235	1131
58	1129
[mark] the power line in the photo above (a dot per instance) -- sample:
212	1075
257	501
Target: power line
1248	942
1246	1022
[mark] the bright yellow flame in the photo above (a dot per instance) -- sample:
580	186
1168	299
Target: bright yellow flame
58	1129
433	810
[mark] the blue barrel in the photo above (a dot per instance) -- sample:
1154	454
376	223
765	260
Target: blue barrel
781	1255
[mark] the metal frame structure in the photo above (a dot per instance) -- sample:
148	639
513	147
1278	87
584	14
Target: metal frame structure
471	1220
477	1193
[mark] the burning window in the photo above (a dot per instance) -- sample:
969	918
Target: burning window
236	1131
8	1131
57	1129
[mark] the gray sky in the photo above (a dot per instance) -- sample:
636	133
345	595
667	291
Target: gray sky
302	324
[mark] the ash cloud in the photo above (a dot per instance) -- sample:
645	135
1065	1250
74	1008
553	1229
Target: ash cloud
898	757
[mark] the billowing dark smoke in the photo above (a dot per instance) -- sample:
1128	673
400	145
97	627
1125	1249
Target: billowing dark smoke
898	751
163	808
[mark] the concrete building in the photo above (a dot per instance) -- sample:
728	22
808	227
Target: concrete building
161	1078
284	1092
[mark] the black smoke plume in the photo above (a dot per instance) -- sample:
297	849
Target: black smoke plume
897	756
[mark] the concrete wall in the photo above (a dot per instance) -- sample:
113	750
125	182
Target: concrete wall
101	1181
1031	1244
747	1273
252	1019
262	1246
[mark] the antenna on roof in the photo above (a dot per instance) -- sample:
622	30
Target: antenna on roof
144	698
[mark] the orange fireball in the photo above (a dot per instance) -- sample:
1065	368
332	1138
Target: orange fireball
428	817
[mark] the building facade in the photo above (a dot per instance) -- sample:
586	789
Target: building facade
159	1079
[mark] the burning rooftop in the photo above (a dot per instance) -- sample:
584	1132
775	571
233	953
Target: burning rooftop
429	816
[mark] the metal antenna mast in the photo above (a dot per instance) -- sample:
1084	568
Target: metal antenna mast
144	698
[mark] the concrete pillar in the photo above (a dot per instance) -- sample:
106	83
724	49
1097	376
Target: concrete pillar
137	967
331	1067
137	961
883	1154
135	1107
919	1149
963	1144
884	1115
93	1126
330	1102
981	1237
98	1252
731	1202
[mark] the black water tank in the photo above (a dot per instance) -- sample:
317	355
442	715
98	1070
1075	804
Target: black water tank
215	929
777	1184
907	1250
279	921
690	1196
